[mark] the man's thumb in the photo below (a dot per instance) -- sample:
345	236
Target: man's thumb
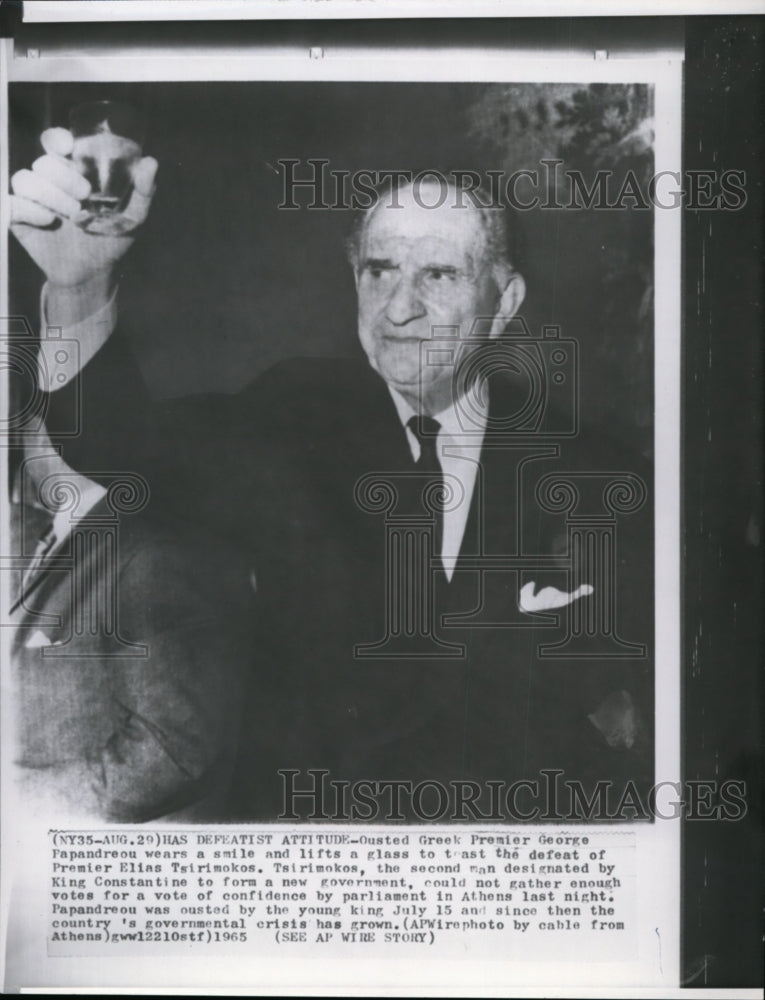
57	141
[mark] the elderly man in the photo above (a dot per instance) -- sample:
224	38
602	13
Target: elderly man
428	613
431	640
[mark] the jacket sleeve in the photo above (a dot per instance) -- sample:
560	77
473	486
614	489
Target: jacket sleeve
174	715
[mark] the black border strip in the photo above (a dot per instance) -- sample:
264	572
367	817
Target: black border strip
722	865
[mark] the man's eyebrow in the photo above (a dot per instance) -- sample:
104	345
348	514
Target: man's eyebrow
446	268
379	263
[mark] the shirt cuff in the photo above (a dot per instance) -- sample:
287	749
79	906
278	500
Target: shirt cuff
64	351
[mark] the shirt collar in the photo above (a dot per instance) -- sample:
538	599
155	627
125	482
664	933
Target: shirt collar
43	460
469	423
60	360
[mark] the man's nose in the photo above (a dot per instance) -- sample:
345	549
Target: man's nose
405	303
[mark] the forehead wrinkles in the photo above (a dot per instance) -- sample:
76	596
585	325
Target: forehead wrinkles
418	249
459	226
434	245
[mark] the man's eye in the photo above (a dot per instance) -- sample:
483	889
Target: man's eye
438	274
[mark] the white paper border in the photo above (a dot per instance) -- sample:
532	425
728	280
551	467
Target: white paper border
237	10
659	843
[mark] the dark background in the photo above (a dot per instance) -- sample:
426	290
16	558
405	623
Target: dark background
722	932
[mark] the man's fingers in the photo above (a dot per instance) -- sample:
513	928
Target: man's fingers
63	174
29	213
57	141
37	188
143	190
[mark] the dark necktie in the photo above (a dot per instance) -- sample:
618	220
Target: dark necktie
426	429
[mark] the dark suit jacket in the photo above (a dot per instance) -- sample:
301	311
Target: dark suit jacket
276	470
104	420
291	451
131	737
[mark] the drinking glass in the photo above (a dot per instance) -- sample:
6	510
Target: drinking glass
108	144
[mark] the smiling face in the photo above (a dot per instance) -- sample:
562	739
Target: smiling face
419	268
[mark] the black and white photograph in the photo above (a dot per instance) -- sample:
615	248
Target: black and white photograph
436	495
344	541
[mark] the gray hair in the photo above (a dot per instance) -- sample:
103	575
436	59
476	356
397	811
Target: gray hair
495	219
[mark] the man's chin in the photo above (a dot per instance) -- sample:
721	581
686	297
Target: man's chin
398	376
408	384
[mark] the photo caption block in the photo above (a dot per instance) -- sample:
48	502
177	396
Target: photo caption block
536	893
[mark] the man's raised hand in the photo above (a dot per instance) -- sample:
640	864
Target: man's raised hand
45	203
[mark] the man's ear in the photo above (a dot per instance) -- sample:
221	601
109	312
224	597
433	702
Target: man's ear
509	303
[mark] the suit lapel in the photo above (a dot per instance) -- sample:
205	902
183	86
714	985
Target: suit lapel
56	573
27	525
492	519
379	440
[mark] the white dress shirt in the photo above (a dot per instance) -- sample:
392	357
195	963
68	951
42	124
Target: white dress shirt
459	447
63	353
41	461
